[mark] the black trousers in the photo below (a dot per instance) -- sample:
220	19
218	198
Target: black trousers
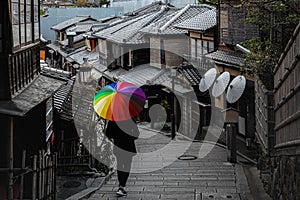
123	168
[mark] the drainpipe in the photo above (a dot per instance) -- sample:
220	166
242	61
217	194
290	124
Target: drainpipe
11	159
243	49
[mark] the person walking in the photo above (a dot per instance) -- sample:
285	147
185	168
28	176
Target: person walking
123	134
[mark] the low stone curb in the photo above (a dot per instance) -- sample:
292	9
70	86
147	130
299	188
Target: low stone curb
88	191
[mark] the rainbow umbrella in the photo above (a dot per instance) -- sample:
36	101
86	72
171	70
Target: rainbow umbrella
119	101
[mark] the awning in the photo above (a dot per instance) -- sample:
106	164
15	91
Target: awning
140	75
96	75
38	91
179	88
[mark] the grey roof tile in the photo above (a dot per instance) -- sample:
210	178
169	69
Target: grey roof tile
155	6
78	57
191	74
140	75
41	88
66	24
166	25
226	57
128	31
61	96
164	79
200	22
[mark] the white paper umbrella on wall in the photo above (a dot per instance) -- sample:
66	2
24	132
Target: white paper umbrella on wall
236	89
221	84
207	79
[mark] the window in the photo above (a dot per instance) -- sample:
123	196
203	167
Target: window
25	22
200	47
193	47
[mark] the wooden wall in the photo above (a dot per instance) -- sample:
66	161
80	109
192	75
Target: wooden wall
155	55
264	117
168	51
174	50
24	67
287	94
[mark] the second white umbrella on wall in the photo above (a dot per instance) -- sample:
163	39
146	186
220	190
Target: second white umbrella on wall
220	84
207	79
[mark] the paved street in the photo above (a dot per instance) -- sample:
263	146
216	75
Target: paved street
157	173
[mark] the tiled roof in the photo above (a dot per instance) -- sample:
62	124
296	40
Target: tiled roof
63	52
53	46
66	24
140	75
228	57
166	25
155	6
55	73
82	105
155	26
200	22
164	78
61	96
113	74
80	28
39	90
128	31
78	57
191	74
77	38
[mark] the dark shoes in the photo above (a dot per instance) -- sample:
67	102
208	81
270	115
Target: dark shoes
121	192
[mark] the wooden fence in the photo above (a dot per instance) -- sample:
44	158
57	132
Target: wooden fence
75	157
287	93
264	115
35	179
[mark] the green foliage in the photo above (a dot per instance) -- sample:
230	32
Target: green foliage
165	104
277	21
263	59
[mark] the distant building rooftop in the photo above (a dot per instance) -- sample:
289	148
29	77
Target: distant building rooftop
166	25
200	22
66	24
227	57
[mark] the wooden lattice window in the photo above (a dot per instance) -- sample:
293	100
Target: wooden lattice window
25	22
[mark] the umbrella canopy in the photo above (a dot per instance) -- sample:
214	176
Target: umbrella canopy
221	84
236	89
119	101
207	79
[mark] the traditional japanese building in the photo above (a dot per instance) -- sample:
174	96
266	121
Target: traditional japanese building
25	95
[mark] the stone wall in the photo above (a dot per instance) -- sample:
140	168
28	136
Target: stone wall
285	182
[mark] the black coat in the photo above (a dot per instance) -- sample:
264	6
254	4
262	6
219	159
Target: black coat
123	133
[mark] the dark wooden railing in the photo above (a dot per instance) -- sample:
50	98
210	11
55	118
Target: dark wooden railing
37	180
24	67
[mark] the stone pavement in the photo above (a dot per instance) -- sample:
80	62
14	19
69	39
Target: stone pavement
157	173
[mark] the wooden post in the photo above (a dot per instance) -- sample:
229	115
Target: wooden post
22	177
231	130
54	175
42	169
11	160
46	180
34	179
40	175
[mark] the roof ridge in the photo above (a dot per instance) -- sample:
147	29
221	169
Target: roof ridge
134	20
175	17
